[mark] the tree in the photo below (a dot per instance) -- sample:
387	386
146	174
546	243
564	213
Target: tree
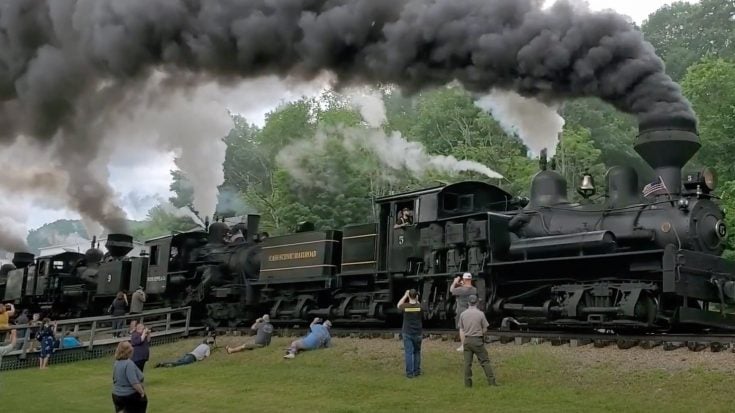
684	33
710	86
577	155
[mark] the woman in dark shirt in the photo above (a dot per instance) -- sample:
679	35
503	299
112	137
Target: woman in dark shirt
118	308
128	393
140	339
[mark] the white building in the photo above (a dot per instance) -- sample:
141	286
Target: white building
83	245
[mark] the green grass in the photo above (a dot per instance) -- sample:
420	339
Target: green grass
367	376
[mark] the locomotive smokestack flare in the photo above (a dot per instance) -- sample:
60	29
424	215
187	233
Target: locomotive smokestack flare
22	259
119	245
667	144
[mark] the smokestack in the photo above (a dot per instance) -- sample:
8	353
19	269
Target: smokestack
119	245
253	223
22	259
667	144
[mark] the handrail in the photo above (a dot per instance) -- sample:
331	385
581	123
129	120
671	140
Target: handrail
97	330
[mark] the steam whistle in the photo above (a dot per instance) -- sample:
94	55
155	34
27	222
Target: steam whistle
206	223
543	160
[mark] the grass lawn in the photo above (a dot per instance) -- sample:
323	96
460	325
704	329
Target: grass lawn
367	376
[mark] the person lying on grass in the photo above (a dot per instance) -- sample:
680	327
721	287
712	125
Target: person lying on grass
201	352
319	337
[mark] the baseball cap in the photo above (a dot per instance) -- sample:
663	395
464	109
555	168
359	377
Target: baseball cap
472	299
467	276
327	324
266	318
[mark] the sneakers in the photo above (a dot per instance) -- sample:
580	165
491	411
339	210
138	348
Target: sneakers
460	348
289	356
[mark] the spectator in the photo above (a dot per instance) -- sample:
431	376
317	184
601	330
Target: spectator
6	311
36	325
70	341
22	320
412	332
318	337
137	301
474	325
264	331
128	393
461	289
118	308
201	352
5	349
46	336
140	339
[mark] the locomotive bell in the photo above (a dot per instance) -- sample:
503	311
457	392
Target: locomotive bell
587	188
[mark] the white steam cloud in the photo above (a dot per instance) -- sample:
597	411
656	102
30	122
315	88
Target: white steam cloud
536	123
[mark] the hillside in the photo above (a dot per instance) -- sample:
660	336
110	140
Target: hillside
67	231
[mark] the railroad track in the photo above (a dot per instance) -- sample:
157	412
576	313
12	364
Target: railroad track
695	342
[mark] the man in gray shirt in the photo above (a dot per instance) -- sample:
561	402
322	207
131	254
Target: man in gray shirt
474	325
137	301
264	331
461	289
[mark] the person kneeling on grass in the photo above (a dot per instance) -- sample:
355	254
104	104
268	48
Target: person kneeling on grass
318	337
264	330
201	352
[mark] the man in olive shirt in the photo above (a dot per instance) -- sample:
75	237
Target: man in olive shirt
461	289
473	324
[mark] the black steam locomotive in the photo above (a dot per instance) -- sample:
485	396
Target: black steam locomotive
627	262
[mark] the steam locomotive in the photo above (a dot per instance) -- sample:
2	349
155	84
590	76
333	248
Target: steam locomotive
627	262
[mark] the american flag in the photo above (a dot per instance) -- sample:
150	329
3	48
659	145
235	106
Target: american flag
653	187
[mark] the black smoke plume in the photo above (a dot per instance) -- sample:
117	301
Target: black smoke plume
68	65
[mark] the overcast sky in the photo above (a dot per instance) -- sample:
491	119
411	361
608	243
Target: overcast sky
140	184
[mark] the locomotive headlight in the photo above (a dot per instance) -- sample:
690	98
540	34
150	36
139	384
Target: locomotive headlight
709	176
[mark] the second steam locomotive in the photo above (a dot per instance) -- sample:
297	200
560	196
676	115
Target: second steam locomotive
628	262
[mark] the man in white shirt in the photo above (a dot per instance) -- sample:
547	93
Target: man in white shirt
201	352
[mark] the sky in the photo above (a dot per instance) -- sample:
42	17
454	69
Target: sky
143	180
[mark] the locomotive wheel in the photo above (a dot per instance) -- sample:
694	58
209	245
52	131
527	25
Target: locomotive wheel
646	309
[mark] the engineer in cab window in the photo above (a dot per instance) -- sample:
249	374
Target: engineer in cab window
405	218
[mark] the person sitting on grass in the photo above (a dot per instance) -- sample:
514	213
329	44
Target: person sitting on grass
5	349
201	352
318	337
70	341
264	330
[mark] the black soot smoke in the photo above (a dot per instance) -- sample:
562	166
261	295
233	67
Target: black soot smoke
66	65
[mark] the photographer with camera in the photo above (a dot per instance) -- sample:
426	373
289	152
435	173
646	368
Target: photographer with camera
264	331
412	331
461	289
141	339
6	311
318	337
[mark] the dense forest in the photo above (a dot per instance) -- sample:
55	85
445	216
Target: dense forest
306	163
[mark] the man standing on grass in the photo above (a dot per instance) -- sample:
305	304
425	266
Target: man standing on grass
474	325
461	289
412	332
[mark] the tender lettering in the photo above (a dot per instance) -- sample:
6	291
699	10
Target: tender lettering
292	256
